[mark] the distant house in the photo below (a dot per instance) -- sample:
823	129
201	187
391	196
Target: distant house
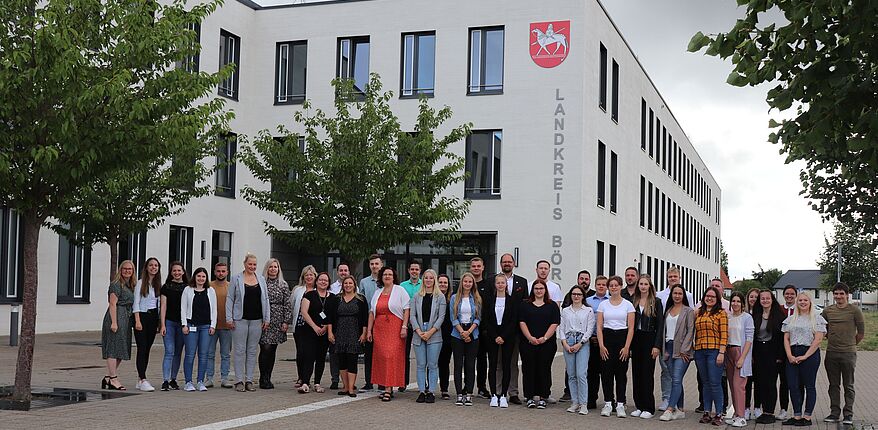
807	281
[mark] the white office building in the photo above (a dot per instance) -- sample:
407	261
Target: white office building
575	157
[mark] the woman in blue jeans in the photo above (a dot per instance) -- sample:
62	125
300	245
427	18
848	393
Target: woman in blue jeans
172	328
711	341
427	315
577	325
679	329
803	332
198	309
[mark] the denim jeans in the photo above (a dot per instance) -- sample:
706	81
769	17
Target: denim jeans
577	374
427	359
197	341
677	368
804	375
667	378
173	341
224	336
711	376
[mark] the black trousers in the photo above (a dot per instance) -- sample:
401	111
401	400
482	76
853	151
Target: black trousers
144	339
267	355
313	354
367	362
643	370
464	364
751	392
614	370
536	368
765	373
445	364
408	354
594	373
298	337
499	356
482	364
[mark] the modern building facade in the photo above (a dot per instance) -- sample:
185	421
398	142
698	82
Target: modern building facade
575	157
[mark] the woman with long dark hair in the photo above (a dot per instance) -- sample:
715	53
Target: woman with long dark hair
739	356
387	330
307	281
768	351
465	311
803	332
577	325
711	341
146	317
444	284
615	326
348	320
679	330
646	345
754	408
500	329
315	310
198	311
281	318
538	319
116	329
172	324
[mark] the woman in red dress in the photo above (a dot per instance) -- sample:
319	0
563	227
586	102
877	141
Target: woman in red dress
387	311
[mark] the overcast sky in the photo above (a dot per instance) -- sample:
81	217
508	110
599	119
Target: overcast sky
764	220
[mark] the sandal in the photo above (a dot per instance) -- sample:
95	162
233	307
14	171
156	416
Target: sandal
303	389
385	397
110	385
318	389
298	383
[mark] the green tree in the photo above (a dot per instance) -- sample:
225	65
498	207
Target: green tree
745	285
859	258
84	85
767	278
362	183
723	258
822	65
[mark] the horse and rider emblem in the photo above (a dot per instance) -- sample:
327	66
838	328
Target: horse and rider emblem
549	42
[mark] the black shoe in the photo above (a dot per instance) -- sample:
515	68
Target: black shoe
422	397
766	419
565	397
166	387
431	398
805	423
848	419
173	384
401	389
483	393
342	393
699	409
446	396
831	418
591	406
790	422
333	386
368	387
515	400
269	385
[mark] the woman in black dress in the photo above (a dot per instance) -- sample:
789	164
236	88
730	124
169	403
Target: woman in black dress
348	319
116	332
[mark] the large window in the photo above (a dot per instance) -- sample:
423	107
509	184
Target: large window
11	251
614	114
600	258
643	124
291	61
133	248
418	64
74	272
614	180
221	248
230	53
225	166
180	246
612	260
602	174
353	61
486	60
602	91
483	164
292	174
651	131
642	202
191	62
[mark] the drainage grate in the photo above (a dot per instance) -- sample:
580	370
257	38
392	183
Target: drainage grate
78	368
43	397
81	343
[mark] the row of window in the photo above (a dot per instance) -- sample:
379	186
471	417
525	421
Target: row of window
656	141
663	216
602	177
417	64
602	91
695	281
601	253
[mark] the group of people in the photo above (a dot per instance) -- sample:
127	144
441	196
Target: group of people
741	345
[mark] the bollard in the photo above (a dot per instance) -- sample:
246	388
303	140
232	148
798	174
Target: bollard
13	326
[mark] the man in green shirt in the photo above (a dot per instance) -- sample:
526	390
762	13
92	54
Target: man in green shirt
411	286
845	329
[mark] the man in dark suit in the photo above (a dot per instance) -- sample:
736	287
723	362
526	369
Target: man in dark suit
485	286
519	289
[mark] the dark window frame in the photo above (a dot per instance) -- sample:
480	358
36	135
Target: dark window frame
78	259
413	92
226	155
192	64
482	88
602	79
134	248
289	98
614	181
229	87
612	260
178	251
216	254
350	72
11	256
600	258
643	125
614	113
495	192
642	202
602	175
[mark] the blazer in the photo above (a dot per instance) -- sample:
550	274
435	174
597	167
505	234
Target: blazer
520	290
186	305
491	328
437	317
654	324
398	302
455	320
235	299
684	334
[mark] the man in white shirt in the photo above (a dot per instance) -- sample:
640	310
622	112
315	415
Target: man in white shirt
554	290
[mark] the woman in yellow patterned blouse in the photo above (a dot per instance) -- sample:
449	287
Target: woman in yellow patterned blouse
711	338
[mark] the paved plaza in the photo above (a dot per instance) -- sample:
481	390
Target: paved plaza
72	360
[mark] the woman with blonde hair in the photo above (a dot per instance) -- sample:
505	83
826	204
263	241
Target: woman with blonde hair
281	318
427	313
116	330
803	332
646	346
465	314
307	282
247	314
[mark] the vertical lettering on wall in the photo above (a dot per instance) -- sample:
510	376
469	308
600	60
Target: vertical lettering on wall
557	184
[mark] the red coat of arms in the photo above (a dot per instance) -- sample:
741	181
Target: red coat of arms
549	42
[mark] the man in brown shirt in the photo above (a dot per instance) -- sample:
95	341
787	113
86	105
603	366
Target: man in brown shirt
220	285
845	329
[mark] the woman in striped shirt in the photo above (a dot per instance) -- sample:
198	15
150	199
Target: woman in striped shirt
711	338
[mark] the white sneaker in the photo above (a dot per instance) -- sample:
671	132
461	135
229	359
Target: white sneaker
620	410
747	414
729	421
608	408
145	386
739	422
551	400
757	412
574	408
503	402
494	402
636	413
730	411
679	415
645	415
583	410
782	415
202	387
189	387
667	416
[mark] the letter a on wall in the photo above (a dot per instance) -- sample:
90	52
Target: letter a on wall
549	42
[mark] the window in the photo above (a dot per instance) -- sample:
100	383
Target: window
649	212
675	161
602	173
614	180
292	175
612	259
353	61
651	123
291	68
664	216
191	62
615	96
225	166
74	272
664	149
11	256
649	266
230	53
657	210
602	100
221	248
642	203
418	64
643	124
600	254
658	141
134	248
180	246
486	60
483	164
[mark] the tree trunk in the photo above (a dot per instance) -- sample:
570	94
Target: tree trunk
24	367
114	255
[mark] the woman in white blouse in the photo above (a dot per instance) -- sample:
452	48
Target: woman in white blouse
615	333
577	324
388	310
803	332
738	356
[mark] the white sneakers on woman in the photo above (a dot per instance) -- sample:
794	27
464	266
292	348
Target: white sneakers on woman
145	386
645	415
607	409
574	408
503	402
